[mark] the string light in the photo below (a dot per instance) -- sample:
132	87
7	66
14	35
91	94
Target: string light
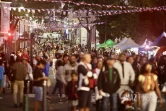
92	12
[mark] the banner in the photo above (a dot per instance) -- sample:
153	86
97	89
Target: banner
5	17
93	34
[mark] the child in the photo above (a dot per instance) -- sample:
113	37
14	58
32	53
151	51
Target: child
127	101
72	91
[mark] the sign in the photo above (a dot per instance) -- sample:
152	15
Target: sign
5	17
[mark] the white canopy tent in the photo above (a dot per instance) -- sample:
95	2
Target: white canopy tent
121	42
147	42
128	44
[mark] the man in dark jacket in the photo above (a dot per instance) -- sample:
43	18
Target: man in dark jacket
108	84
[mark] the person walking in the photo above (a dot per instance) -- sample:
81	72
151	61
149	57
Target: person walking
72	91
47	67
2	71
60	78
38	83
135	68
127	76
84	73
20	73
46	71
148	89
108	84
70	67
126	73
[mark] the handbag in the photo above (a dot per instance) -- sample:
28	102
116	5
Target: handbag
91	79
91	83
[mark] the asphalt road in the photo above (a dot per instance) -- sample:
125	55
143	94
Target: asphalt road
7	103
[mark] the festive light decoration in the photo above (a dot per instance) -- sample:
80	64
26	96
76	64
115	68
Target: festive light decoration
91	12
109	10
82	3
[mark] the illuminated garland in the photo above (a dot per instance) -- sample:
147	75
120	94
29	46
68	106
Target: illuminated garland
82	3
91	12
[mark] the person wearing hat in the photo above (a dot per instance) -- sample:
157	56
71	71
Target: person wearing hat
108	84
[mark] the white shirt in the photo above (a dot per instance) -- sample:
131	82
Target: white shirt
129	74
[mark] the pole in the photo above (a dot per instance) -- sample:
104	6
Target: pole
24	33
26	99
44	97
95	39
80	36
31	48
19	35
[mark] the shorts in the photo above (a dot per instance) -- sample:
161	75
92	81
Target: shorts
74	103
84	98
1	83
38	93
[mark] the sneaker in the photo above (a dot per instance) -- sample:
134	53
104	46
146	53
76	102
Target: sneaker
1	98
20	105
15	106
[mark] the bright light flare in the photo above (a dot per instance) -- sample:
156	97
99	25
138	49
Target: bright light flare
9	34
147	47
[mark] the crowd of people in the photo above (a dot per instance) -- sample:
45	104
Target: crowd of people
120	82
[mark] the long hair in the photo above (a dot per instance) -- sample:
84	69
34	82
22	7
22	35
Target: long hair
144	68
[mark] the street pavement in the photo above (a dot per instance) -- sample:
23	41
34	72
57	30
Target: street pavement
7	103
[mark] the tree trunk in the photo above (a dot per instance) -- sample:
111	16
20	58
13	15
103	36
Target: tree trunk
88	39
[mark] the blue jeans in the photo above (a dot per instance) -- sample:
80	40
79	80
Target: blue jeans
113	99
59	86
